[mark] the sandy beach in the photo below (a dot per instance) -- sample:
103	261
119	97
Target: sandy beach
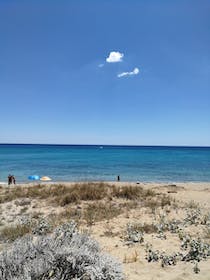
131	225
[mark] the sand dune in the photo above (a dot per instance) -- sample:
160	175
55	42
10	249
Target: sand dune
182	199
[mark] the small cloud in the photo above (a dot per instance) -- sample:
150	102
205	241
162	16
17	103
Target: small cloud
114	57
101	65
134	72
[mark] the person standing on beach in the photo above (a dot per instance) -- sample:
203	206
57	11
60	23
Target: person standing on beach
118	178
9	179
13	179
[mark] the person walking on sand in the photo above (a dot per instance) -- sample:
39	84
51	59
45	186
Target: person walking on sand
13	179
9	179
118	178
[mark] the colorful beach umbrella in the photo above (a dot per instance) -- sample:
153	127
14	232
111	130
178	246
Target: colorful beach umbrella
33	177
45	178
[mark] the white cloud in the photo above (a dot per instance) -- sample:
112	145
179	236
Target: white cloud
114	57
101	65
134	72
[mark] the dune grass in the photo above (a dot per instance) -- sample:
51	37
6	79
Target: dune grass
84	202
98	211
146	228
64	194
11	233
73	194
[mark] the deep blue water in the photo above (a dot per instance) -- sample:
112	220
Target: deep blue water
80	163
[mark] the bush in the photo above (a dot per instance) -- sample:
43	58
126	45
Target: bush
66	254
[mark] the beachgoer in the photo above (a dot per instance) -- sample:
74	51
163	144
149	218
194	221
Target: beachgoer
13	179
9	179
118	178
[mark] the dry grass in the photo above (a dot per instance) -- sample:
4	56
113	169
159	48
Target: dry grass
160	201
98	211
66	199
36	191
152	204
85	191
127	192
128	205
24	209
207	233
89	213
132	192
105	201
192	205
148	193
109	230
10	233
61	194
37	215
69	213
131	258
146	228
165	200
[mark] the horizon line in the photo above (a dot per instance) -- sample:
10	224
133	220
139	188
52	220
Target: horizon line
117	145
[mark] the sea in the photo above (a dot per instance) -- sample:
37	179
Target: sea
105	163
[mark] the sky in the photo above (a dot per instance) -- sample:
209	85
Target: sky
105	72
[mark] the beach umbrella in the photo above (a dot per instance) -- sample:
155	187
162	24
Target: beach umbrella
45	178
33	177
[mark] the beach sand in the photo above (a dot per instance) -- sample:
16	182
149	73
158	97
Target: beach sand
182	198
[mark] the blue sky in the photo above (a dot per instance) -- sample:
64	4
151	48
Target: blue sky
57	84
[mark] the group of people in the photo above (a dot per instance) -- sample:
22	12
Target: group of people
11	179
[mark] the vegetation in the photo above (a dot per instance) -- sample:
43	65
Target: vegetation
99	211
66	254
35	233
84	202
11	233
63	194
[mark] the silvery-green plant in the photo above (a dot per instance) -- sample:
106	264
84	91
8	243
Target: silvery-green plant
65	254
170	259
160	232
198	250
41	227
24	220
167	225
133	235
186	239
193	217
155	256
174	226
66	230
152	255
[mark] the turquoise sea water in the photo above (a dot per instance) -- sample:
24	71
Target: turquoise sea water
80	163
